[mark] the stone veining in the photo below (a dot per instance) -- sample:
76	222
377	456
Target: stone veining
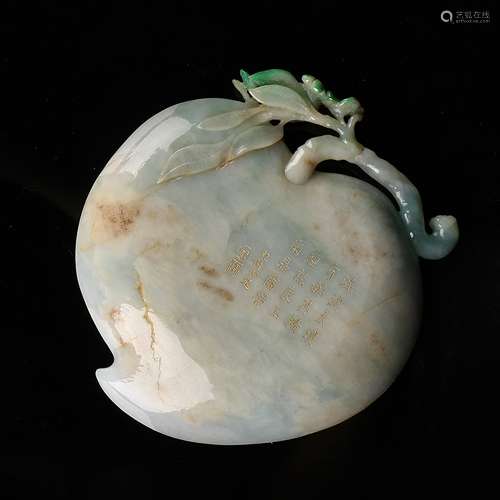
153	340
217	290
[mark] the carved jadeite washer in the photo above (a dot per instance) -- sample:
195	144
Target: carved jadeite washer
245	297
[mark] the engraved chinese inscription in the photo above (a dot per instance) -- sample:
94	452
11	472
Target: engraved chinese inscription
236	263
300	288
256	269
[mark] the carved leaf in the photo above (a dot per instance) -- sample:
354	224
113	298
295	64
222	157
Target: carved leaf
281	97
225	121
198	158
258	137
272	77
240	87
194	159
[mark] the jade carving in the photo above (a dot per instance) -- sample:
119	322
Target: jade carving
245	297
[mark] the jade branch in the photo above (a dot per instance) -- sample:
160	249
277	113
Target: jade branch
284	98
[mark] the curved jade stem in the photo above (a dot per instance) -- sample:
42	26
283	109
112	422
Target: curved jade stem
444	234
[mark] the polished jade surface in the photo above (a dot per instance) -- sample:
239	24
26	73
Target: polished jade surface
245	297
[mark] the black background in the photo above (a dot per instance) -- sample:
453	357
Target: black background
77	80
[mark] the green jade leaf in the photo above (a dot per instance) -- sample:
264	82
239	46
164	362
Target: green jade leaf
272	77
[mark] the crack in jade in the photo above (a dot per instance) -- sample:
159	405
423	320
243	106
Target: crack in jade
240	307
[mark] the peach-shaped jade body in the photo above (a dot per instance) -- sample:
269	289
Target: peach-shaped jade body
245	298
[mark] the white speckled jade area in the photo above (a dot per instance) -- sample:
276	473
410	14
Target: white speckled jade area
239	307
